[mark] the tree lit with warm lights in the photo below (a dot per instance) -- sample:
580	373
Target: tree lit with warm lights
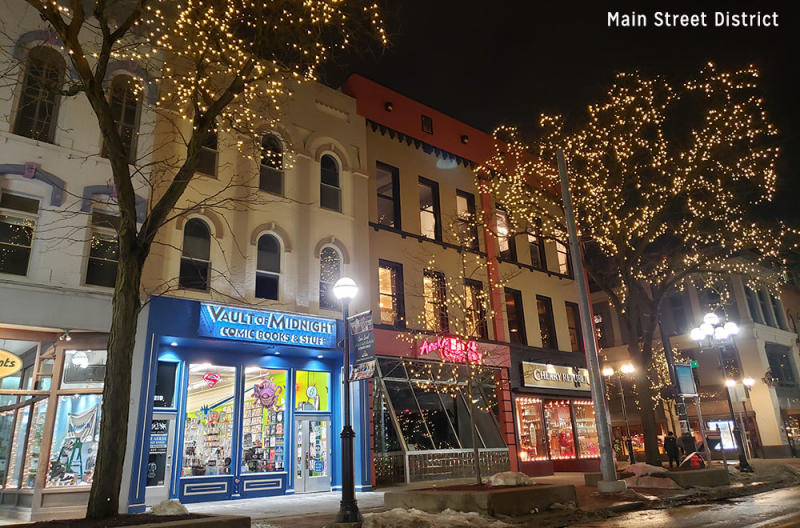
215	67
664	180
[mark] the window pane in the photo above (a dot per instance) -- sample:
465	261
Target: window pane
408	415
16	237
207	440
34	449
487	427
435	307
267	286
386	439
467	229
270	180
435	418
428	210
75	435
537	253
329	171
530	428
83	369
385	181
312	391
574	324
18	203
387	300
263	422
36	115
559	427
18	447
271	152
269	254
516	317
588	444
476	310
330	197
196	240
564	265
6	423
330	270
165	384
101	268
193	274
505	241
545	309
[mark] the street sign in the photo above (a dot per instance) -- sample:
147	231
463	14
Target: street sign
686	385
694	363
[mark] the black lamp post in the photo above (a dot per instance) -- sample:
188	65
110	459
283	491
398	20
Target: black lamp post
345	290
713	332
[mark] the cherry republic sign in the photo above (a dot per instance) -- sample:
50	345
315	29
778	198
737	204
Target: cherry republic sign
546	376
452	349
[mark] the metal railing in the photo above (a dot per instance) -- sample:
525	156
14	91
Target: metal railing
412	466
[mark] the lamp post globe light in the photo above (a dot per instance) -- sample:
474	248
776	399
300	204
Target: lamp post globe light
627	368
345	289
713	333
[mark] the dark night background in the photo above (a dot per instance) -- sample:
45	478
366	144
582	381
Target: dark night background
493	62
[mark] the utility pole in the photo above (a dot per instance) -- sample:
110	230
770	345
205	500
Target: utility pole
608	466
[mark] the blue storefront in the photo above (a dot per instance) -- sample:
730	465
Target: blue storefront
241	403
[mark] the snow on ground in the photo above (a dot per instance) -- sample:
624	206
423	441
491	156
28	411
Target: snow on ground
401	518
510	478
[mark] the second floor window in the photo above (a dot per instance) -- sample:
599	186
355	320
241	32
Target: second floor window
387	187
268	267
475	309
467	226
330	191
564	259
544	307
270	170
505	240
516	317
390	293
536	246
574	325
18	216
602	324
752	304
430	219
37	111
330	270
207	158
124	98
434	291
101	268
780	363
196	257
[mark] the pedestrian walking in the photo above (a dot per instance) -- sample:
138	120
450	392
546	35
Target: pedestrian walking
671	447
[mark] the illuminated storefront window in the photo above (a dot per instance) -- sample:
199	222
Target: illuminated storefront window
559	429
75	436
312	391
264	420
588	444
530	426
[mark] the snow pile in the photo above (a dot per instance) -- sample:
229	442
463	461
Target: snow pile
641	468
647	476
510	478
170	507
401	518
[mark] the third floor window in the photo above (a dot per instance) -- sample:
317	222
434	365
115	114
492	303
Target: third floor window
505	238
125	98
330	190
467	225
544	307
270	170
516	317
435	302
387	187
37	111
430	218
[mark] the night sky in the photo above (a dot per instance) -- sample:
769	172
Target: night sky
493	62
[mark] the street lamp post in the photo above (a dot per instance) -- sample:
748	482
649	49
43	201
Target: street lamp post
345	290
624	369
713	332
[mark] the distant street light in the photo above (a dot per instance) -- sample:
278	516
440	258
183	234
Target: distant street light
627	368
713	334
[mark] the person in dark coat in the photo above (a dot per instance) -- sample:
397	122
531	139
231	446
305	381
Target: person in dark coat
671	447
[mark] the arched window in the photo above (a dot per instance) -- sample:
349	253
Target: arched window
330	270
330	191
268	267
41	91
271	169
196	258
125	99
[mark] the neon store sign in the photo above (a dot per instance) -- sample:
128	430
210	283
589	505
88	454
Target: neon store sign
452	349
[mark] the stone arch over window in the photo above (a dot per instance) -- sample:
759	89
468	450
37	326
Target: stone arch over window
330	270
90	192
333	241
135	70
195	255
32	171
318	146
214	218
274	228
268	266
40	94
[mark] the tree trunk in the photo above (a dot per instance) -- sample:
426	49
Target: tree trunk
104	495
474	429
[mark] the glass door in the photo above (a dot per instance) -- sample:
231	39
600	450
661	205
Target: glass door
159	462
312	454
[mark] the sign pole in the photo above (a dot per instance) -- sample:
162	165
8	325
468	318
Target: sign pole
608	466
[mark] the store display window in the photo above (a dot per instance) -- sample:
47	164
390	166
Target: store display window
585	427
530	425
559	428
164	396
207	436
75	435
34	449
264	420
6	425
17	447
312	391
83	369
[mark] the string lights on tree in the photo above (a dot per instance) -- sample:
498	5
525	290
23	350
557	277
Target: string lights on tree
664	180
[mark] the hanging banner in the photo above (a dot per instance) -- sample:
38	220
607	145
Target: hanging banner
363	346
9	363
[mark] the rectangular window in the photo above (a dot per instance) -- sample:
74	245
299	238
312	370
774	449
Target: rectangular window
263	420
435	301
475	307
18	217
766	308
312	391
516	317
544	307
83	369
559	427
536	245
430	218
165	384
387	187
574	324
780	363
564	259
588	443
467	226
530	428
602	324
207	157
505	239
101	268
427	124
74	446
208	429
390	293
780	315
752	304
